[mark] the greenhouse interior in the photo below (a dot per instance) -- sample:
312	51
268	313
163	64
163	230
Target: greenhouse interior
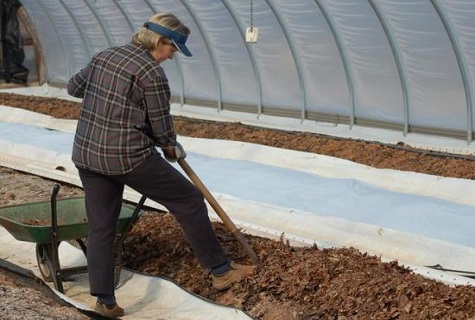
391	72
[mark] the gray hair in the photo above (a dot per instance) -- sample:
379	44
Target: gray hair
150	39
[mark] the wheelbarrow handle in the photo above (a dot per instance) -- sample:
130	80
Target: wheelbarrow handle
218	209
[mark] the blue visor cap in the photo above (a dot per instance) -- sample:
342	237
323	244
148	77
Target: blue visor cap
178	38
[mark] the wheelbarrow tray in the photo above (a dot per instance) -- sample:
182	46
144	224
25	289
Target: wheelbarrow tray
32	221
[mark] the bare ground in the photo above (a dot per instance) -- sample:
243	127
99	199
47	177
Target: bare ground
292	283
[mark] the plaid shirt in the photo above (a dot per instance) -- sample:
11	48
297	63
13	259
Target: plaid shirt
125	111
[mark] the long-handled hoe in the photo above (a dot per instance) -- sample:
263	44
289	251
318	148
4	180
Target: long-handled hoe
219	210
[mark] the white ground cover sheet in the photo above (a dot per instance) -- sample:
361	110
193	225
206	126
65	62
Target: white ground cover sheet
419	220
142	297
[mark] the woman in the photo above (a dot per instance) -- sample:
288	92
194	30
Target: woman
125	116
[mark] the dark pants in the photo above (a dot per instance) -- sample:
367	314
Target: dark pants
160	182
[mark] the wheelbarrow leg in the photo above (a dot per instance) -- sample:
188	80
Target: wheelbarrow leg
56	267
48	262
82	245
120	240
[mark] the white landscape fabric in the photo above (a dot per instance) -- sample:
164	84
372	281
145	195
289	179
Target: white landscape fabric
373	211
143	297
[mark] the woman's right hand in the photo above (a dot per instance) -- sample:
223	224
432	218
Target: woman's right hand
173	153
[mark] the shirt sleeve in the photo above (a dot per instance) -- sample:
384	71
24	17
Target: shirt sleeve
77	83
157	103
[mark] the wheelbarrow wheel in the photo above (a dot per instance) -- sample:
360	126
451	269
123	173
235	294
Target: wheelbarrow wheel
43	257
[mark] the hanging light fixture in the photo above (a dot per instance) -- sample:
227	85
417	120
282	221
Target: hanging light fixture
251	32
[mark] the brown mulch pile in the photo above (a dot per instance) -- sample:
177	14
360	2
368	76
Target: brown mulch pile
292	282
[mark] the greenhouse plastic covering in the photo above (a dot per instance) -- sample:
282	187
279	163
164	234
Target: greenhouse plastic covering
405	65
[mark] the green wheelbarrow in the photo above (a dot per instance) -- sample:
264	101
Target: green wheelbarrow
49	223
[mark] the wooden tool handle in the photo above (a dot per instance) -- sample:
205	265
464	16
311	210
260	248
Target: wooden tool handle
218	209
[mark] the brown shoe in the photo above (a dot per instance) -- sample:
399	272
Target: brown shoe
113	311
236	274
